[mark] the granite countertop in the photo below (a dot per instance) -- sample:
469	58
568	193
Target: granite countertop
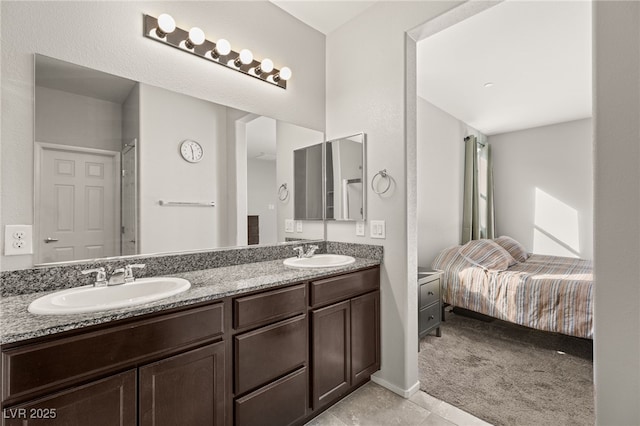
18	324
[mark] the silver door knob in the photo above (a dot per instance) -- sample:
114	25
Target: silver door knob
50	240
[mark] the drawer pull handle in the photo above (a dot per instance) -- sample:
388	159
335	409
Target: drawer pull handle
430	293
431	317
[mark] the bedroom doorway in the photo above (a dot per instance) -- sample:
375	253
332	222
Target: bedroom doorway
517	76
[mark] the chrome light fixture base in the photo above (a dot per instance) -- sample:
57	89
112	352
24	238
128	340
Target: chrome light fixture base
179	37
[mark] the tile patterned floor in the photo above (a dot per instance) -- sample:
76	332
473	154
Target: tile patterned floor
376	406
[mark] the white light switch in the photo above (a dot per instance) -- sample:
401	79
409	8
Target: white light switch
18	240
360	229
288	225
299	226
377	229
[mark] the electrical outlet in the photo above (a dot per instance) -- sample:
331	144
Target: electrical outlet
18	240
360	229
299	226
288	225
378	229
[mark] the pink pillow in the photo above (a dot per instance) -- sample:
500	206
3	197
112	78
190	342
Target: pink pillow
515	249
487	255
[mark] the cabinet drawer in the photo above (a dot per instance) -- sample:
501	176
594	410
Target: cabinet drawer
43	367
429	317
269	352
279	403
345	286
429	293
268	307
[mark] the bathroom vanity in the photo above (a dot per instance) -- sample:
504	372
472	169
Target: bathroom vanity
251	351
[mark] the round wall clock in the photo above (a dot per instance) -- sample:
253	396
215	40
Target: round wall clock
191	151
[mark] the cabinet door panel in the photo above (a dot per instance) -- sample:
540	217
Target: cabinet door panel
365	337
269	352
331	352
279	403
107	402
186	389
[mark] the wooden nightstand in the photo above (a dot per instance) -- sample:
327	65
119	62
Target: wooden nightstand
429	301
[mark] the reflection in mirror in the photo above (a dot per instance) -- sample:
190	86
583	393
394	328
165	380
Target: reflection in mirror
108	152
307	181
345	183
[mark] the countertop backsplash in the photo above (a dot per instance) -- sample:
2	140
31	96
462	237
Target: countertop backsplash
67	276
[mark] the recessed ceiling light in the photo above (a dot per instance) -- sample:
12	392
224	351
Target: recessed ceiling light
488	84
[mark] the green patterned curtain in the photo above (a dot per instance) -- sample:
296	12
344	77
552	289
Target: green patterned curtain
478	220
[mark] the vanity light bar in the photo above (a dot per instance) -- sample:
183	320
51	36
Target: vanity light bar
163	29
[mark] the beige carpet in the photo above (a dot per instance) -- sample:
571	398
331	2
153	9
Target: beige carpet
509	375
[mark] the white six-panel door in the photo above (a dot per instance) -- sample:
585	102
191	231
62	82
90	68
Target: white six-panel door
77	203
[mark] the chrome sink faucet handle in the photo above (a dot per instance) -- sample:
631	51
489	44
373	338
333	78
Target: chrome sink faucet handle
101	276
299	251
311	250
128	271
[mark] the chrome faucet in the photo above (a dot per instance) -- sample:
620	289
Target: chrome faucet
300	253
311	250
124	275
119	275
101	276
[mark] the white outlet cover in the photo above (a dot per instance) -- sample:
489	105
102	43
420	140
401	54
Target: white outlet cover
18	240
360	229
299	226
377	229
288	225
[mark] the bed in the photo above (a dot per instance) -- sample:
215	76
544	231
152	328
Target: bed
548	293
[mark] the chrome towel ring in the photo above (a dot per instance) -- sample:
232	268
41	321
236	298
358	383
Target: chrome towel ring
383	175
283	192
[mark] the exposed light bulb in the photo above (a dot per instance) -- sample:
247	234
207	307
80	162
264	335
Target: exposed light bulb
166	25
284	74
223	47
266	66
196	38
245	58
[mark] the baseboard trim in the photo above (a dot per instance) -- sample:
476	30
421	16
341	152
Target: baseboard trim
405	393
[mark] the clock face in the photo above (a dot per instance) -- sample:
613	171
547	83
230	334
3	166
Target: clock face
191	151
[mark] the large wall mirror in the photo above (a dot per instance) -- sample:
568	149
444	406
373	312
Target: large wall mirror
125	168
307	180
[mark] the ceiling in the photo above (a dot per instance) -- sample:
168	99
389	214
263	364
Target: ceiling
324	16
537	54
68	77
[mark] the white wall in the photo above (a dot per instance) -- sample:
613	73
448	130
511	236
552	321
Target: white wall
69	119
440	179
111	41
617	212
369	77
262	197
288	138
543	181
166	119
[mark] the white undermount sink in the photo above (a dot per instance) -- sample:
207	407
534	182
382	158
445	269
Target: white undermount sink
319	261
93	299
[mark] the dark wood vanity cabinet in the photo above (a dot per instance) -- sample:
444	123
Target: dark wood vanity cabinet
163	370
270	357
345	335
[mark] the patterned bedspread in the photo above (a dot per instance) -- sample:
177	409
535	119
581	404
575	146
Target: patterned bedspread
545	292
